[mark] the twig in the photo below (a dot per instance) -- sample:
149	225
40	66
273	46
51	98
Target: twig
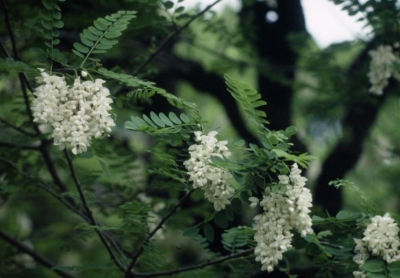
10	30
35	255
89	212
172	36
17	128
192	267
68	202
44	149
163	220
61	199
10	145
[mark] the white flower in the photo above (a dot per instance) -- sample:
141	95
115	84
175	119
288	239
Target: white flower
361	252
84	73
283	212
213	180
381	68
380	239
76	113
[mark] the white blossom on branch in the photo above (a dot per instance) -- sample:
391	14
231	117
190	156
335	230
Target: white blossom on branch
213	180
283	211
76	113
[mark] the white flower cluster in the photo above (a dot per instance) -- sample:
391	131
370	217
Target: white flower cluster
380	239
213	180
381	68
283	212
152	218
76	113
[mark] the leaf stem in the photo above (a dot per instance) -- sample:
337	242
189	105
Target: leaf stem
197	266
171	37
89	212
35	255
163	220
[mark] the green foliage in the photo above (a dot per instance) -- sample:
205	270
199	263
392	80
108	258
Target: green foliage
250	100
171	129
10	65
134	215
238	239
126	79
105	183
51	22
100	37
172	99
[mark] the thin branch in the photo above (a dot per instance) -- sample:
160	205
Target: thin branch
62	200
10	30
68	202
197	266
35	255
171	37
89	212
10	145
17	128
4	49
163	220
44	149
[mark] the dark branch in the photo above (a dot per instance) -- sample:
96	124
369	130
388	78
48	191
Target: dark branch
89	212
198	266
35	255
10	145
163	220
17	128
171	37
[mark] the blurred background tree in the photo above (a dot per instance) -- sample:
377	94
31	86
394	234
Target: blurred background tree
323	92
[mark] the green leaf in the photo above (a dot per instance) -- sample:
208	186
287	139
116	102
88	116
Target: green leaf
85	41
47	25
221	220
174	118
168	4
104	167
249	99
237	205
208	232
100	24
94	31
179	9
89	35
46	14
313	249
229	212
78	53
102	46
165	120
58	24
156	119
373	265
192	231
48	4
56	15
81	48
112	34
290	131
185	118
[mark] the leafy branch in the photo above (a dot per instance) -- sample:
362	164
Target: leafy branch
198	266
152	233
35	255
89	212
249	99
102	35
171	37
